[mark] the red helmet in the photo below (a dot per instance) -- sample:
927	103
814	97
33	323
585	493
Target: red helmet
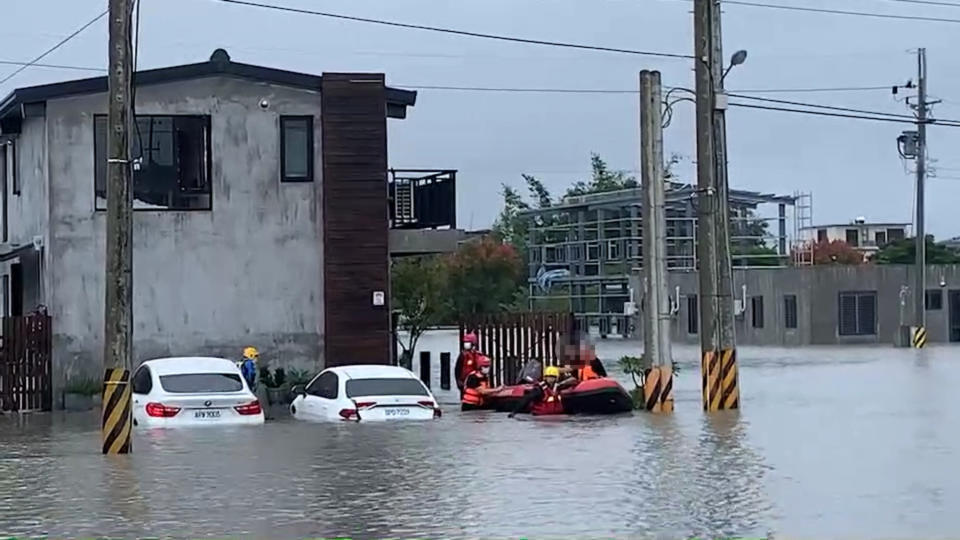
483	362
470	338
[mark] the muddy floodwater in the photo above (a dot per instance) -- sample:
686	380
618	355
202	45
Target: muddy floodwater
830	442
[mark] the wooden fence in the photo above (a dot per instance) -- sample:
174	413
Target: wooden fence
25	381
513	339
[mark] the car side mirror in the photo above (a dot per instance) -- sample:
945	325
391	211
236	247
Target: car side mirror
298	390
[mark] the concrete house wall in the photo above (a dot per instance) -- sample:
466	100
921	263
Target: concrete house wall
248	272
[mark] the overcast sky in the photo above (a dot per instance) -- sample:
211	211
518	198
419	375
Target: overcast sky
851	167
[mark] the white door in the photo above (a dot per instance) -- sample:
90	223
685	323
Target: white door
141	385
320	399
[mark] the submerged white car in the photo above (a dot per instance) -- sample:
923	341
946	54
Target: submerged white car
364	393
192	391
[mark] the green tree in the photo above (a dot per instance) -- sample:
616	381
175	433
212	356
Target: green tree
418	292
905	252
483	276
602	179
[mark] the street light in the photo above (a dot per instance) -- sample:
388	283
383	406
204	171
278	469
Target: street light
738	58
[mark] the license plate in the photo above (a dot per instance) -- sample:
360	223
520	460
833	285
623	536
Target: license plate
397	411
206	414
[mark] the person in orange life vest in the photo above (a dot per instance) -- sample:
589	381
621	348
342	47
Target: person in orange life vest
476	386
467	360
544	399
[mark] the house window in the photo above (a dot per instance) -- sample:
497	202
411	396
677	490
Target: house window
693	314
821	235
880	238
853	237
934	300
789	311
3	186
5	285
11	158
576	253
756	305
593	252
895	234
296	148
858	313
613	250
174	169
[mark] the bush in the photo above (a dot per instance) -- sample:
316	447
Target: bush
279	377
85	386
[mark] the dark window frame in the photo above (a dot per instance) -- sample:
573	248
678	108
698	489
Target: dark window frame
3	186
317	386
693	314
756	311
14	177
846	236
142	376
208	147
880	238
859	328
933	300
311	151
790	318
822	235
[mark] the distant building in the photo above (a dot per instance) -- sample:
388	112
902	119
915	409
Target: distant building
264	211
951	243
860	234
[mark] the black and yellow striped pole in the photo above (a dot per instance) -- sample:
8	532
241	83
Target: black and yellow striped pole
720	381
116	416
919	340
118	278
658	389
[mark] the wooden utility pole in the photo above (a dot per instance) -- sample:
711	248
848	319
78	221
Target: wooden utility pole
658	384
118	312
717	341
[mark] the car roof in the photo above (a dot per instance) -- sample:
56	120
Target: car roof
373	372
191	364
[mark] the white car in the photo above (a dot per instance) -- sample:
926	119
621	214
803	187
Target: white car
364	393
192	391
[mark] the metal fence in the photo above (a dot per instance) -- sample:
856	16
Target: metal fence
25	381
513	339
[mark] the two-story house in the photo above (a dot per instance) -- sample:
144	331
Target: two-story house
864	236
262	217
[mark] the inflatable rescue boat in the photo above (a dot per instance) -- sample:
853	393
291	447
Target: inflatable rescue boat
594	396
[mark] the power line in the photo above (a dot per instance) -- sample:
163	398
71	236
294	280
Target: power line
818	106
455	31
54	66
55	47
946	123
841	12
813	90
927	2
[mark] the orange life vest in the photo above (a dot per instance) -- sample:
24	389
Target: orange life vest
587	373
549	403
469	364
472	396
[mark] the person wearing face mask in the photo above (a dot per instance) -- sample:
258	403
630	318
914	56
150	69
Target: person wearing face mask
476	386
467	360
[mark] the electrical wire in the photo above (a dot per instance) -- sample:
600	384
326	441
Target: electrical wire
927	3
59	44
840	12
455	31
837	114
828	107
54	66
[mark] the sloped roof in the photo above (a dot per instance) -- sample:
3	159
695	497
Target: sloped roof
218	65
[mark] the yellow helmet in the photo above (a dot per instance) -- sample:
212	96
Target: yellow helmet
551	371
251	353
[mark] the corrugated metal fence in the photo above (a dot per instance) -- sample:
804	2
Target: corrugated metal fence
513	339
25	382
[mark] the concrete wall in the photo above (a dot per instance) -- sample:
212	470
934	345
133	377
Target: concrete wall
249	272
817	290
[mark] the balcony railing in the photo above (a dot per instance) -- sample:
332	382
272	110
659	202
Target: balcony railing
423	199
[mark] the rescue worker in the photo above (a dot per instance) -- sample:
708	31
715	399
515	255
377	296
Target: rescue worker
248	368
476	386
544	398
466	360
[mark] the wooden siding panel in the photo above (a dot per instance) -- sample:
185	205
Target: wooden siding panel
355	219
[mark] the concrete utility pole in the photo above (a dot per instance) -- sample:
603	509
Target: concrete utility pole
921	258
658	384
656	335
717	340
118	313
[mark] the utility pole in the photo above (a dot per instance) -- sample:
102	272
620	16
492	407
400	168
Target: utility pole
921	237
118	312
658	384
717	340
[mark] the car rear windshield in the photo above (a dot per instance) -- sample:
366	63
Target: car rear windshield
201	383
385	387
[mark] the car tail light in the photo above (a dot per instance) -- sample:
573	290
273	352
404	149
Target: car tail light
366	404
349	414
427	404
159	410
250	408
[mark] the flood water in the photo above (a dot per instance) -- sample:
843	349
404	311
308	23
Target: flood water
830	442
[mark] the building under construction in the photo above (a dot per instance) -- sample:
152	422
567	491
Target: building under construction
586	253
